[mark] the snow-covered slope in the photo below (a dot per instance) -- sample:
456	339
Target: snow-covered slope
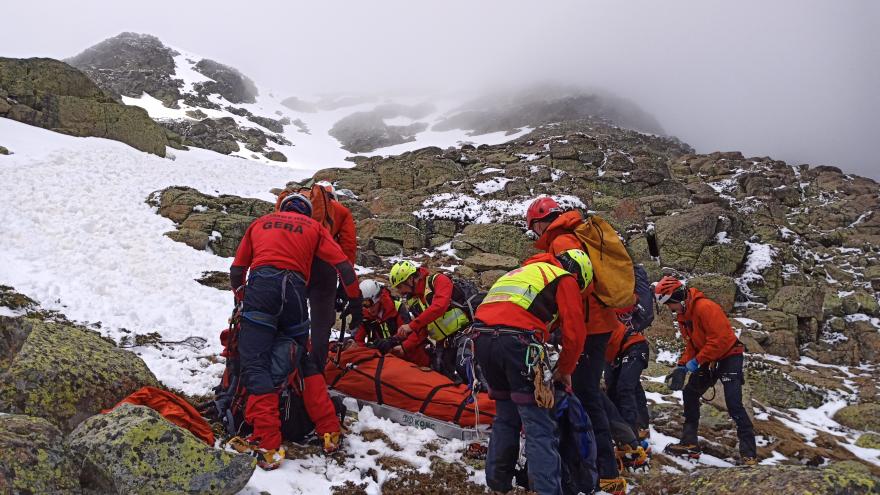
79	238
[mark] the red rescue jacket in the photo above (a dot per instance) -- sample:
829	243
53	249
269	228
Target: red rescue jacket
383	313
558	238
706	331
343	231
289	241
569	307
437	306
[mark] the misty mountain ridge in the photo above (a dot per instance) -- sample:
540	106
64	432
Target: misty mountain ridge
207	104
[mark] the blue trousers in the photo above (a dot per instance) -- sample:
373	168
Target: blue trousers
274	318
502	358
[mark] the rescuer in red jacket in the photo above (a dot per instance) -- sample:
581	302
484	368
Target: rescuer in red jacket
276	254
516	316
555	230
712	352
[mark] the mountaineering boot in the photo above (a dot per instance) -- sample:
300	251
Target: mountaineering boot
266	459
690	450
614	486
748	461
332	442
631	457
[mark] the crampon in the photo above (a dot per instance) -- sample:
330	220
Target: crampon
686	450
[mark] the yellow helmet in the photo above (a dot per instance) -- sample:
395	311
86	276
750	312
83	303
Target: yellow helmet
401	271
577	263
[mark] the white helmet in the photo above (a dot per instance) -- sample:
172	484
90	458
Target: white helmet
370	289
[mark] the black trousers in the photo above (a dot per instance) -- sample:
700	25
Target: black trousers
322	299
624	385
585	381
730	371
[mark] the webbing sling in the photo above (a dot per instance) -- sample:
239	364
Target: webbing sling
378	379
431	395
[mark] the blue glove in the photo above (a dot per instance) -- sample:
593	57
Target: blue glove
692	365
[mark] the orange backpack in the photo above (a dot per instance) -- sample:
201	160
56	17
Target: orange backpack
613	278
322	205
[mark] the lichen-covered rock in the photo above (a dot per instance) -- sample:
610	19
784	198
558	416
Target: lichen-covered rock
719	288
34	459
682	237
208	222
4	150
492	238
864	416
801	301
134	450
842	478
491	261
53	95
13	334
770	386
66	373
868	441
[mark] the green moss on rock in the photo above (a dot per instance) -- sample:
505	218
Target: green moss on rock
65	374
34	459
134	450
56	96
865	416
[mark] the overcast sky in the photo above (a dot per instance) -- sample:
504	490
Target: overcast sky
793	79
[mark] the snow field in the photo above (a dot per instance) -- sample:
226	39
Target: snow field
79	238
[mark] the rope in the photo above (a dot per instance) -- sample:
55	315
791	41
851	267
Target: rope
536	362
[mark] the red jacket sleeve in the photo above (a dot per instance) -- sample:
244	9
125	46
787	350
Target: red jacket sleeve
439	303
347	236
571	316
716	327
361	335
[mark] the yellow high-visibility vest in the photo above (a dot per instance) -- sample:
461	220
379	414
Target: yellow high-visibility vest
447	324
522	286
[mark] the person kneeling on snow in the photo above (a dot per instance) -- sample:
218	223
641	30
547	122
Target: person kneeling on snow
712	352
383	315
276	254
511	325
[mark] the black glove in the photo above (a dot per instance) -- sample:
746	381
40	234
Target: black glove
675	380
341	298
385	345
355	309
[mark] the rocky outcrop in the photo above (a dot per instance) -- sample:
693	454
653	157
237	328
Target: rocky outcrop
227	82
223	135
363	132
34	459
545	105
65	373
53	95
203	222
131	64
135	450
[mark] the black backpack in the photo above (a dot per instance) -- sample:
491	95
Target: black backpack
643	314
466	295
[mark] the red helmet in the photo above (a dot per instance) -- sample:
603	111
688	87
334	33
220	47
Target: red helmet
669	290
541	208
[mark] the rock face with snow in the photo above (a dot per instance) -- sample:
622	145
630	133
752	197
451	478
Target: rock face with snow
64	373
51	94
133	449
130	66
